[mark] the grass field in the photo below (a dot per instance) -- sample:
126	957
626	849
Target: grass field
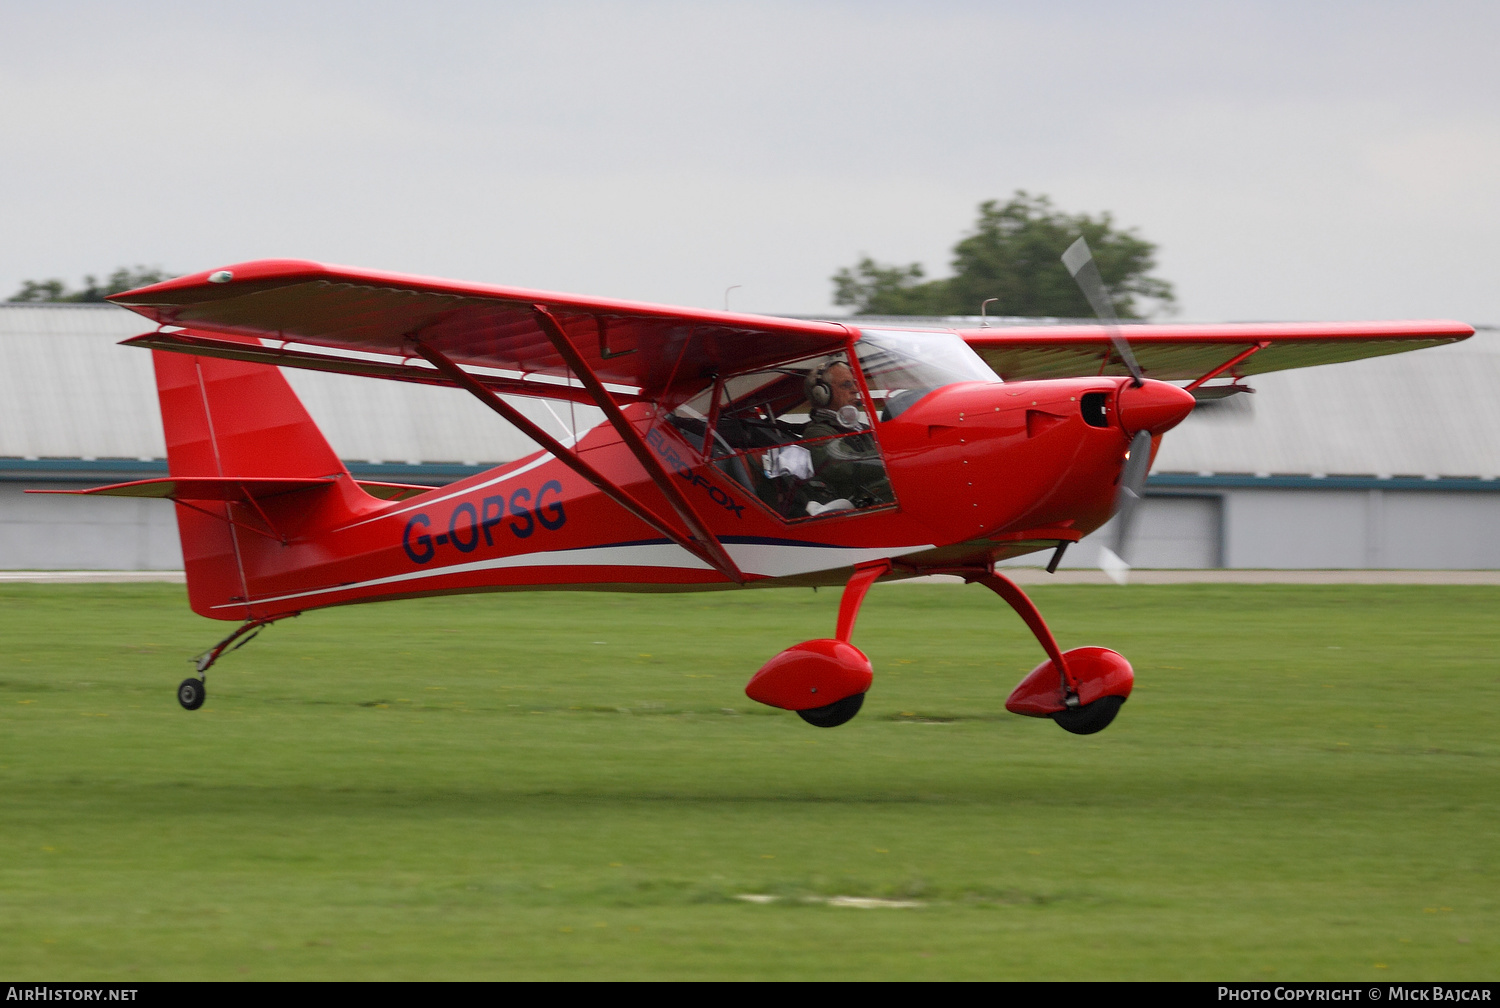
1303	786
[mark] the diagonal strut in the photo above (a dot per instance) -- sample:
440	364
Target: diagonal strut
570	458
705	538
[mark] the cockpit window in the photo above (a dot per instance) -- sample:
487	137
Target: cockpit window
902	366
797	436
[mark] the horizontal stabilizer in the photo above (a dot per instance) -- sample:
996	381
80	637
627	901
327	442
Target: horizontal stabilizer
392	491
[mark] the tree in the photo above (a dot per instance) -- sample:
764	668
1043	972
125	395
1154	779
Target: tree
1015	256
122	279
889	290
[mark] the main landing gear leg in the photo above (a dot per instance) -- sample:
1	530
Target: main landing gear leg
825	680
192	692
1082	689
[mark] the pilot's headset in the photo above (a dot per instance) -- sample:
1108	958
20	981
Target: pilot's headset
819	392
816	387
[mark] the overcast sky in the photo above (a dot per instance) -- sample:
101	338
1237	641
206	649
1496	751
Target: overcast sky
1291	160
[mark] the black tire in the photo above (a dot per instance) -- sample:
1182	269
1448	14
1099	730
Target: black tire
834	714
191	694
1089	718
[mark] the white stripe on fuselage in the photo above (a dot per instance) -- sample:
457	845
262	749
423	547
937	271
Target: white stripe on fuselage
765	559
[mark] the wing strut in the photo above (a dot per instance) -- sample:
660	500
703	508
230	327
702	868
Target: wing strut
709	543
570	459
1231	362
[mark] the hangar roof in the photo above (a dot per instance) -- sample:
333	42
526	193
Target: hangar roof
67	391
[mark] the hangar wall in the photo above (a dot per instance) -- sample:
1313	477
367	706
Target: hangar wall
1385	527
84	533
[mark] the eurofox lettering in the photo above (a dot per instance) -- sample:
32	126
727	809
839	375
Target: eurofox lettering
668	452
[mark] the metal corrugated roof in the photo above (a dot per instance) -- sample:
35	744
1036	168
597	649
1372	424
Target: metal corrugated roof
68	391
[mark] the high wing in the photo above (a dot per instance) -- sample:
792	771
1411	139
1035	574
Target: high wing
1199	353
336	318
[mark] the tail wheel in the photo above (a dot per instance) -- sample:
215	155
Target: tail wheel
191	694
836	713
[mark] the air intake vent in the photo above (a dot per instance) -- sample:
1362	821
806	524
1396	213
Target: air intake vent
1096	409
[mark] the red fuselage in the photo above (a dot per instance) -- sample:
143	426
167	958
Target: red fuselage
981	471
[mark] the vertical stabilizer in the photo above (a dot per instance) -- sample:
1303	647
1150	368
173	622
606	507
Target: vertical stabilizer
233	419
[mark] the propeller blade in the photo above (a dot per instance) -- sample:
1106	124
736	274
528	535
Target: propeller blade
1079	260
1112	560
1080	263
1111	564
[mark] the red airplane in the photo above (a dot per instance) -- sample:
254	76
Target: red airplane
736	451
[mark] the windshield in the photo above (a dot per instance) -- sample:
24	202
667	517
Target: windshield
901	366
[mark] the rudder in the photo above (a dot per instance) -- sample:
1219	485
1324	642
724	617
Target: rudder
233	419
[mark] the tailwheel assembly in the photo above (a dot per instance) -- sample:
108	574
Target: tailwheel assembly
823	680
192	692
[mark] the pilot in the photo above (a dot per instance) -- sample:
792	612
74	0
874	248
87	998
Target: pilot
847	463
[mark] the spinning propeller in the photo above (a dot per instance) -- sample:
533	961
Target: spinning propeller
1137	461
1080	263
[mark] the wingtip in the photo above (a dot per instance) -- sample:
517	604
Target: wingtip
216	278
